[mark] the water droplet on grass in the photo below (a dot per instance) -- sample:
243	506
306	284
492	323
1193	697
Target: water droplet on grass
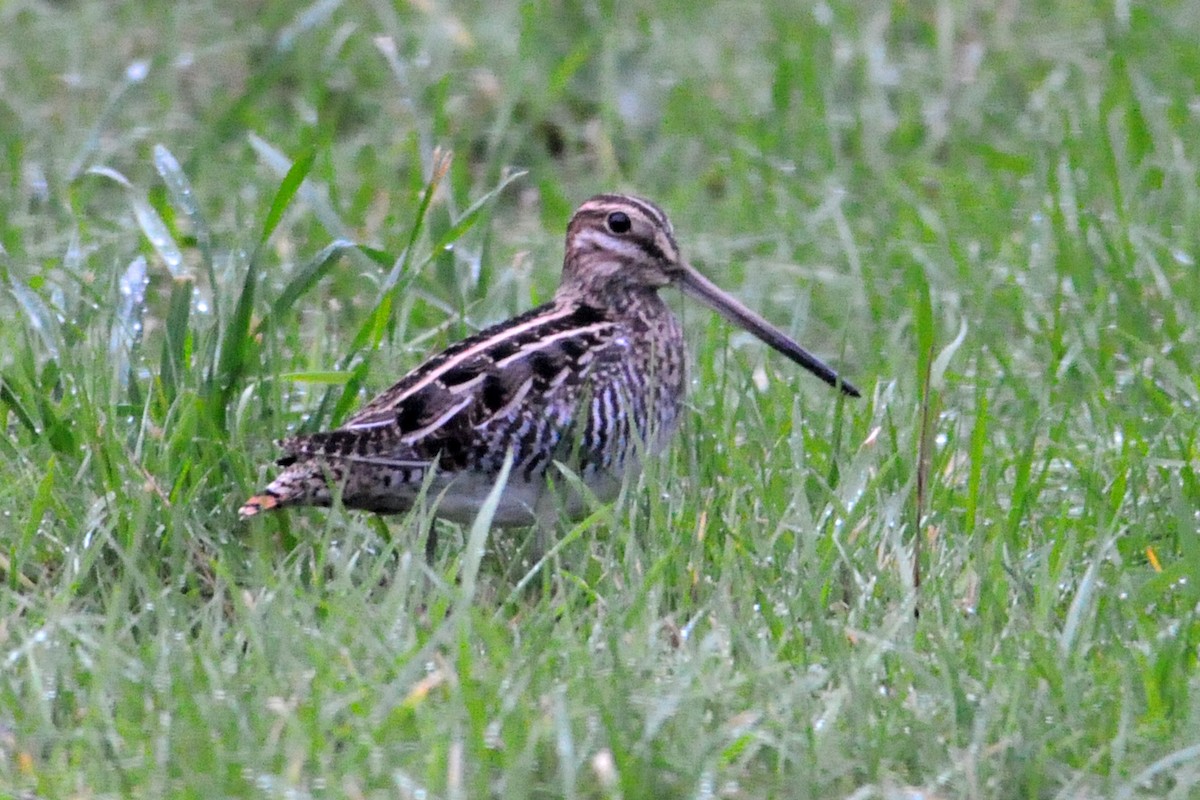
137	71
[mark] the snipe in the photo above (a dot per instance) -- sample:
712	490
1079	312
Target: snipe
593	379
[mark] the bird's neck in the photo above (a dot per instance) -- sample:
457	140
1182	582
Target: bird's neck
618	298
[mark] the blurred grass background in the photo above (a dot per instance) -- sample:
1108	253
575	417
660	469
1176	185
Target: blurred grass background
224	221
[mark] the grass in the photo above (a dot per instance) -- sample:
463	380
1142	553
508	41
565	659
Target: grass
223	222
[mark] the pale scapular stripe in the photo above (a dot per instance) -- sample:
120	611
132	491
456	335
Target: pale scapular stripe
543	343
480	347
445	417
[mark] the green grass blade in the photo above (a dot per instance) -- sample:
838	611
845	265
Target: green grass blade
292	181
174	361
312	193
183	197
305	279
134	74
237	343
471	215
478	535
38	507
15	406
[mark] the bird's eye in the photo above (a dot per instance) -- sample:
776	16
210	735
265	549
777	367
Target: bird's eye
618	222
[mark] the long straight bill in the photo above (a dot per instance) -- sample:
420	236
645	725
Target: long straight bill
701	288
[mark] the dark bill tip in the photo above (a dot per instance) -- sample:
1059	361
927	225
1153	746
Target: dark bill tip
701	288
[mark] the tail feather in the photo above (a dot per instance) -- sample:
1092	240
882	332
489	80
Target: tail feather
258	504
303	483
370	476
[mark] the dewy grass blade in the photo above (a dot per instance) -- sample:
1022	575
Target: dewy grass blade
37	316
151	223
477	538
126	330
1083	603
135	73
158	234
305	279
943	359
1183	758
311	17
174	360
179	189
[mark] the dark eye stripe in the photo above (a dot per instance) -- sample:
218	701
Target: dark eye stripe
651	249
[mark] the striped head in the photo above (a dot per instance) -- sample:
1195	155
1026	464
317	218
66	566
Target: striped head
616	243
621	247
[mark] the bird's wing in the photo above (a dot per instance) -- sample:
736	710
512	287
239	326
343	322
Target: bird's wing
513	386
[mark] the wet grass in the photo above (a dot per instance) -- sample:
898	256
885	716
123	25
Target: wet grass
221	224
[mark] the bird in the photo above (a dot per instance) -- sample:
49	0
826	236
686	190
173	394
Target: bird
593	379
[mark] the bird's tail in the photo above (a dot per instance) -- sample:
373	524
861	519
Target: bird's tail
302	483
